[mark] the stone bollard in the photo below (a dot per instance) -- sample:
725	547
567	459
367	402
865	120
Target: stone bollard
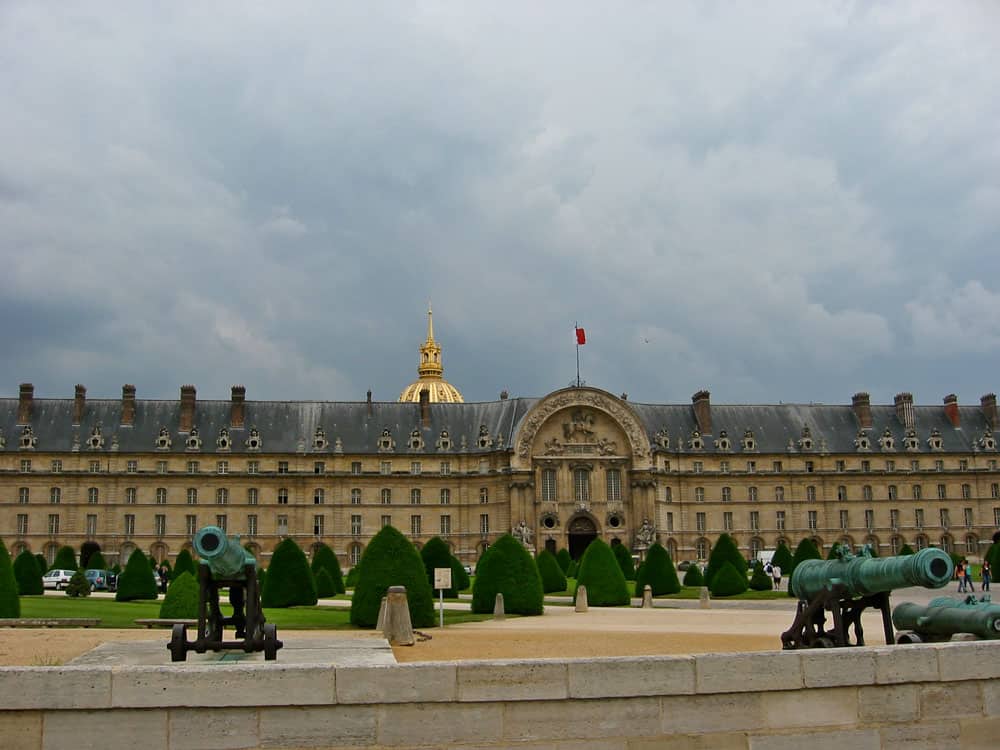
498	613
647	597
380	623
581	599
705	598
397	627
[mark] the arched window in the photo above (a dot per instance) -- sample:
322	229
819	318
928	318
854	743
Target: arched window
354	554
947	543
971	544
896	544
222	496
701	549
319	496
727	494
386	496
672	549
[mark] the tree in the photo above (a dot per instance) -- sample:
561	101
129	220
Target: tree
760	580
43	564
783	558
65	559
658	571
96	562
459	578
78	585
10	604
624	557
289	580
390	559
352	576
87	550
136	581
553	578
574	567
805	551
728	581
325	587
564	560
992	556
603	577
436	554
181	600
184	563
507	568
906	549
29	577
693	577
725	550
324	557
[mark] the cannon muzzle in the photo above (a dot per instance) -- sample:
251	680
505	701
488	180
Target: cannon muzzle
862	576
222	554
945	617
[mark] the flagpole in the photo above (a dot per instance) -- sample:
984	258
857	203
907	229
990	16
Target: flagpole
575	327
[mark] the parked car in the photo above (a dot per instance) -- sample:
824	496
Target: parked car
101	580
57	579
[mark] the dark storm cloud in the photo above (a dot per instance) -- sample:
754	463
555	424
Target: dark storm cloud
774	201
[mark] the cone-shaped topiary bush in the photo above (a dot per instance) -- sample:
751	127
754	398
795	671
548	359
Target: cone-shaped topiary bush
78	585
725	550
43	564
289	581
728	581
96	562
436	554
87	550
992	556
805	551
390	559
760	580
782	558
29	577
136	581
324	557
658	571
459	578
693	576
10	604
603	577
184	564
507	568
624	557
906	549
564	560
181	600
553	578
325	587
573	569
65	559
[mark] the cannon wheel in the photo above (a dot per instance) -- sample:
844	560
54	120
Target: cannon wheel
270	641
907	636
178	643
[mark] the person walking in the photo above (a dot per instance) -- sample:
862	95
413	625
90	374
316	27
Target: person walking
986	573
960	575
967	569
776	576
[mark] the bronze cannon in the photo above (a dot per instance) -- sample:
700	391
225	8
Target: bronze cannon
945	617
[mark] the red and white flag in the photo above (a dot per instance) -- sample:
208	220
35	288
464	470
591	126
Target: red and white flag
581	336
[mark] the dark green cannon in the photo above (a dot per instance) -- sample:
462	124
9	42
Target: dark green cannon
849	585
945	617
225	564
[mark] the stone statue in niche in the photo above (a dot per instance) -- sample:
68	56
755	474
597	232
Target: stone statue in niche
580	426
606	447
646	533
522	533
553	447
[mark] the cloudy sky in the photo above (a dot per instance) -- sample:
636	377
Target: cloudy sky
774	201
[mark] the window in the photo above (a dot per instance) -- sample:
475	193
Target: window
319	467
484	495
866	465
894	519
779	494
811	520
945	519
446	524
699	521
484	466
752	494
942	492
192	467
670	521
967	517
751	467
415	496
283	496
415	524
699	494
282	467
355	496
723	467
966	491
282	524
893	492
581	485
355	525
385	467
668	494
996	516
253	496
963	465
160	524
698	467
191	525
53	524
971	544
844	525
355	467
386	496
841	492
131	467
95	467
222	522
354	554
918	518
754	520
222	467
93	495
915	465
445	497
614	477
727	494
916	492
939	465
22	524
25	465
56	466
727	521
869	519
701	548
161	467
811	492
252	525
24	494
317	525
415	467
841	466
776	467
890	465
484	523
809	467
779	520
91	524
866	492
222	496
129	524
445	468
549	485
319	496
995	490
386	521
253	467
161	495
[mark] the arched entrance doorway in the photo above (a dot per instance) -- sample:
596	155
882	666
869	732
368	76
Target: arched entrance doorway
582	531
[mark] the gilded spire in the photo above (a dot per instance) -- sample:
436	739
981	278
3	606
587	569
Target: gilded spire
431	371
430	324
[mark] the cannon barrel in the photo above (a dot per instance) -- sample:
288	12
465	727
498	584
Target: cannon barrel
946	617
223	555
861	576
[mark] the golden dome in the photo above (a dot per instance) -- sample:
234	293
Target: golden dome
431	373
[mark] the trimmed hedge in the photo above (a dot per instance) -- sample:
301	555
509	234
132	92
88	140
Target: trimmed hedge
10	604
96	562
390	559
289	580
783	558
325	587
760	580
624	557
136	581
805	551
459	578
43	564
29	577
352	576
78	585
184	563
725	550
553	578
658	572
87	550
728	581
603	577
993	556
181	600
324	557
693	576
436	554
574	568
564	560
906	549
507	568
65	559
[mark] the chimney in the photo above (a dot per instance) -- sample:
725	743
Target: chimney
951	409
24	400
425	407
862	405
369	402
904	409
504	395
237	412
128	405
187	408
989	404
702	412
79	402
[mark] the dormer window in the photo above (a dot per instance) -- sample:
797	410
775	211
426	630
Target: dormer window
662	439
887	442
806	441
223	442
28	440
987	442
96	440
723	443
385	441
193	442
484	440
416	441
749	441
320	442
910	441
696	443
254	441
444	441
163	441
862	442
935	442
